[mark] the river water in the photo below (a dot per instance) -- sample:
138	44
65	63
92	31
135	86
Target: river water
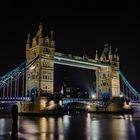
74	126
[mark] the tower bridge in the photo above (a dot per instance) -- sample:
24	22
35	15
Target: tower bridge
42	76
36	75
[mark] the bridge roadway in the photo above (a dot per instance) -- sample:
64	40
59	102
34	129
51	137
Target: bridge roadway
77	61
82	100
14	99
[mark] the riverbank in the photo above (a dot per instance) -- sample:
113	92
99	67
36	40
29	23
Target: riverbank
67	111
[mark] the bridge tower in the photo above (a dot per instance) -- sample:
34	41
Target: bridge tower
107	78
40	76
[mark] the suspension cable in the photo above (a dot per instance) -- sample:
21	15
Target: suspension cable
130	88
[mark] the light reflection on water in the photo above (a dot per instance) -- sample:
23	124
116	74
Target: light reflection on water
78	126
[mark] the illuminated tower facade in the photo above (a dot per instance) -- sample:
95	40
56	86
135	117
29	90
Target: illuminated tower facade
107	78
40	76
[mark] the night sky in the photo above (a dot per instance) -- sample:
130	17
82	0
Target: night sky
79	28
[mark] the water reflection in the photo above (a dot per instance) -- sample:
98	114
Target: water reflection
80	126
128	117
95	127
45	128
4	128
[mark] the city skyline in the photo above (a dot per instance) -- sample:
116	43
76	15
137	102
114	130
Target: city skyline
77	30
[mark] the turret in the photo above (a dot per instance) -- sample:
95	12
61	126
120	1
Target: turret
39	35
110	54
51	35
96	56
103	56
106	45
52	41
28	42
34	41
47	41
114	56
39	32
28	46
117	55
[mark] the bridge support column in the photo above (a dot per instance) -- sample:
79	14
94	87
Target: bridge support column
103	81
107	80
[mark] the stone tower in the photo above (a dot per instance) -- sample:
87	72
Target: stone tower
40	76
107	78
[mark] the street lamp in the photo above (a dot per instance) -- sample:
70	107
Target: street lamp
32	67
93	96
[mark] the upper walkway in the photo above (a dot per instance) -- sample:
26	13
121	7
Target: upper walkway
76	61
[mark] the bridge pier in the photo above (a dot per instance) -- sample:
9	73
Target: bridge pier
15	120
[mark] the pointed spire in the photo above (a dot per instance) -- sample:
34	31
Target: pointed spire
110	54
101	58
34	42
52	42
106	44
118	59
106	48
40	26
110	48
39	32
28	39
28	42
117	55
47	41
116	51
96	56
51	35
